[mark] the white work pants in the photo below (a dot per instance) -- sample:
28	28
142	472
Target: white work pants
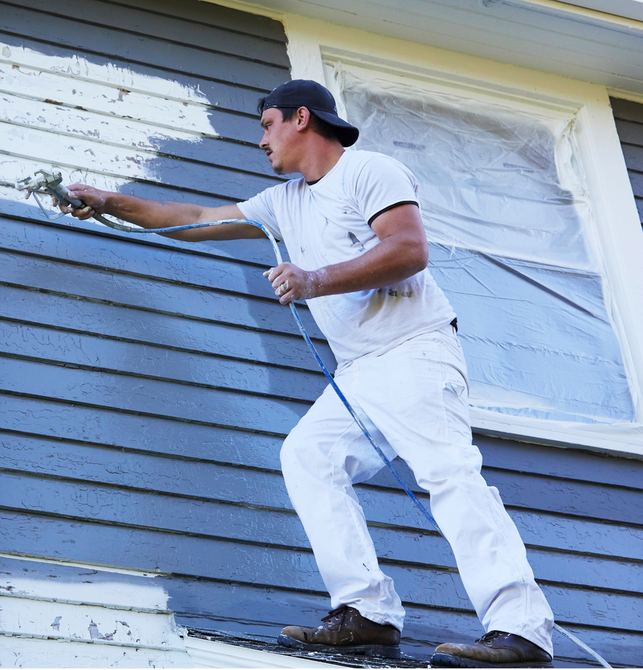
414	399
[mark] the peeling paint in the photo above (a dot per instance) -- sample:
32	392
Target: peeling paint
95	634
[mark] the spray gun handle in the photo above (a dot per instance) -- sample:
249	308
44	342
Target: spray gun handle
62	195
53	185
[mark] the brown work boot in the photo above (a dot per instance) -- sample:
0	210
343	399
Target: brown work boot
493	650
344	631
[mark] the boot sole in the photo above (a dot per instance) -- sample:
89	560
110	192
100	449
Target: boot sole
385	651
450	661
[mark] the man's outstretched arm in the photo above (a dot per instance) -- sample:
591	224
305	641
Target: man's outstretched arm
163	214
402	252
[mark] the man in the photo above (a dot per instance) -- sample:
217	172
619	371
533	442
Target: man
354	232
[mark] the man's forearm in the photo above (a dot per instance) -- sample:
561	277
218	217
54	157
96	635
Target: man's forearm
163	214
150	213
166	214
389	262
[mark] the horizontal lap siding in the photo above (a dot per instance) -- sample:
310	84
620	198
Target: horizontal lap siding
205	514
147	385
629	124
141	336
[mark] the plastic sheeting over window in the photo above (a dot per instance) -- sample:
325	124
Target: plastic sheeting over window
508	219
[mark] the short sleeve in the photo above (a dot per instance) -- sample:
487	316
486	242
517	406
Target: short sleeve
384	183
260	208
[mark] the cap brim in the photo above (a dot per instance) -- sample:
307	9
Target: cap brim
346	134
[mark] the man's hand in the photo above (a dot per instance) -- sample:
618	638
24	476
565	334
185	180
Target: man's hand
94	199
293	283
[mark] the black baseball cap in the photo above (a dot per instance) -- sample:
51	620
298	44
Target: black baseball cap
317	99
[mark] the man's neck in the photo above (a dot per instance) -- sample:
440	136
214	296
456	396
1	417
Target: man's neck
319	159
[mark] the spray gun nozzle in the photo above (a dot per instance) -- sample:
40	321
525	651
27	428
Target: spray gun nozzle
41	182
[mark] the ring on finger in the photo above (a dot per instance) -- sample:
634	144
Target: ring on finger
283	288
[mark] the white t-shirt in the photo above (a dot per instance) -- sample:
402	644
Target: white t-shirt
327	222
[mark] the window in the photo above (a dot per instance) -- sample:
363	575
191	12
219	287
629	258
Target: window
511	222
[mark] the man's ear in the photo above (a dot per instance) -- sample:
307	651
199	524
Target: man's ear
302	118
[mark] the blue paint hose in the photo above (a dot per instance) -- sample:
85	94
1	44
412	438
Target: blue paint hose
60	192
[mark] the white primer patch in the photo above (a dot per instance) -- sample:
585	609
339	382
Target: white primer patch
80	69
101	123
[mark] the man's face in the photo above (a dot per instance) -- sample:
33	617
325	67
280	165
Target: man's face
278	140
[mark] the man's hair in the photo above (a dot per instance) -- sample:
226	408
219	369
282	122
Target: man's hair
316	124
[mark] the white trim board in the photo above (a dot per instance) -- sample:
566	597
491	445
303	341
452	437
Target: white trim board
622	13
585	43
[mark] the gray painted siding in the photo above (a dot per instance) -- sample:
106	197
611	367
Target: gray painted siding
240	558
629	124
147	384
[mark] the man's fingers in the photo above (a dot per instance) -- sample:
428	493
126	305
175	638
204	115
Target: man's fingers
63	208
274	275
281	290
270	274
93	197
284	288
84	212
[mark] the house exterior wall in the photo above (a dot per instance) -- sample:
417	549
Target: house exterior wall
629	121
146	384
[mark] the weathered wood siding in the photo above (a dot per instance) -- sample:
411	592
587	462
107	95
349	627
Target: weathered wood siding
146	384
629	123
71	616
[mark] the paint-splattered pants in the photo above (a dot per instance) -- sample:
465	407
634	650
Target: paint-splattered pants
414	401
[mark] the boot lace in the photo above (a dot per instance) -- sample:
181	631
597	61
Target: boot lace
489	637
342	609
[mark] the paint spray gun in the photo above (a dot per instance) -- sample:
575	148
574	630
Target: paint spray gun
47	183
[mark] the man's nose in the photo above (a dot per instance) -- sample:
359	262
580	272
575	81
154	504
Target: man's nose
264	143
